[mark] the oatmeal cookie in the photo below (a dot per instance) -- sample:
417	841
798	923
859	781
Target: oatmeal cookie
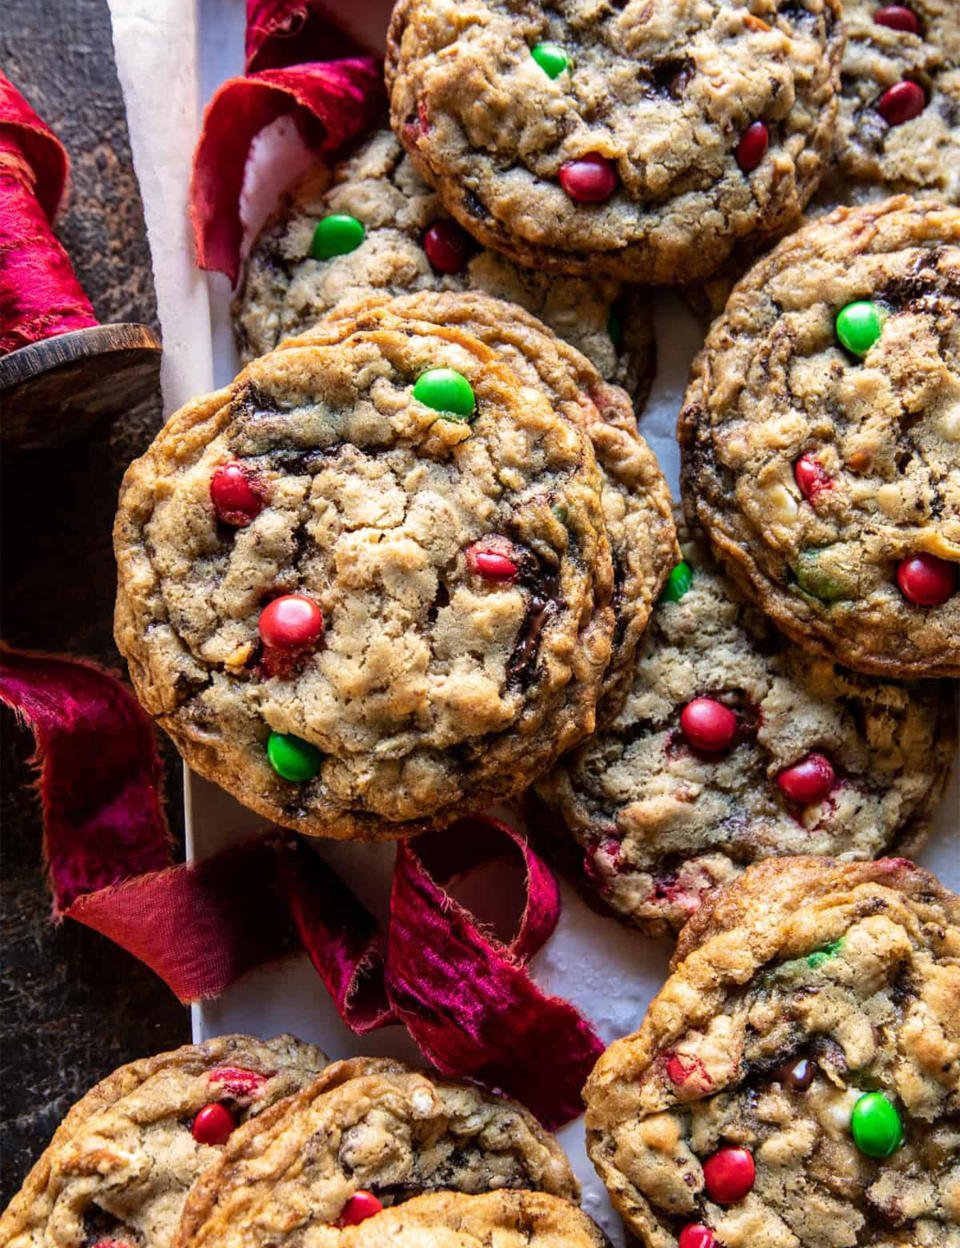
367	587
653	812
453	1220
641	139
821	437
637	508
796	1082
373	1126
120	1165
898	128
374	225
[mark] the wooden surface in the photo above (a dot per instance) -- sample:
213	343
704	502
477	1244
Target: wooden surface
73	1005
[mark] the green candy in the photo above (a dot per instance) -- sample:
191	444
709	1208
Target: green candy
615	325
336	235
678	582
875	1125
859	325
551	58
819	956
292	758
446	391
815	580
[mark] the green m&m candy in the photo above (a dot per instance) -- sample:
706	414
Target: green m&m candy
336	235
446	391
678	582
817	579
292	758
859	325
551	58
819	956
875	1125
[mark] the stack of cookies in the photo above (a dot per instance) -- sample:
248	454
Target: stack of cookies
418	558
244	1142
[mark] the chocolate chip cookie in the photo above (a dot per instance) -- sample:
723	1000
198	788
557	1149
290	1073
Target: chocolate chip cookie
898	127
637	507
374	225
640	139
734	745
797	1079
371	1126
368	586
120	1165
821	437
452	1220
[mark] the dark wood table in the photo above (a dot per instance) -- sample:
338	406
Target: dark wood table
74	1006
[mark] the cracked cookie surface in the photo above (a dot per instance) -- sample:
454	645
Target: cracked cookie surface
372	1125
453	1220
918	149
820	474
440	680
630	153
651	825
806	989
120	1165
286	288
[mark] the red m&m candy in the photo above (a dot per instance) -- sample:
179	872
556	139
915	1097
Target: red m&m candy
902	102
729	1175
213	1124
234	494
448	247
898	17
696	1235
589	179
810	780
708	725
926	580
752	146
291	622
361	1205
811	477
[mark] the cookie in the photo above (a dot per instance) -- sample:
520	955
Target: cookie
120	1165
641	139
373	1126
452	1220
637	507
367	587
796	1082
898	128
652	813
387	232
821	437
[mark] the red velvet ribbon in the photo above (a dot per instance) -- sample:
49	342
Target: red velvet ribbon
465	997
332	103
287	32
40	296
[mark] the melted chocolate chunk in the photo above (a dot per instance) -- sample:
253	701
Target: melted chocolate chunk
797	1074
543	601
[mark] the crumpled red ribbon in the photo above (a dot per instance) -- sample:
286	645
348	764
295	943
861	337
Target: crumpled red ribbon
284	32
331	102
465	997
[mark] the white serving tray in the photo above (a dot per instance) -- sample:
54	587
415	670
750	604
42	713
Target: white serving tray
191	46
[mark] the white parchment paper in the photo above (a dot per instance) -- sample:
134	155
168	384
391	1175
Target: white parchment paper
171	57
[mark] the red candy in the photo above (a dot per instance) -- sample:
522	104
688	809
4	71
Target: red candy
448	247
696	1235
237	1081
690	1070
902	102
589	179
926	580
213	1124
729	1175
810	780
811	477
359	1207
234	497
752	146
708	724
898	17
291	623
492	564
